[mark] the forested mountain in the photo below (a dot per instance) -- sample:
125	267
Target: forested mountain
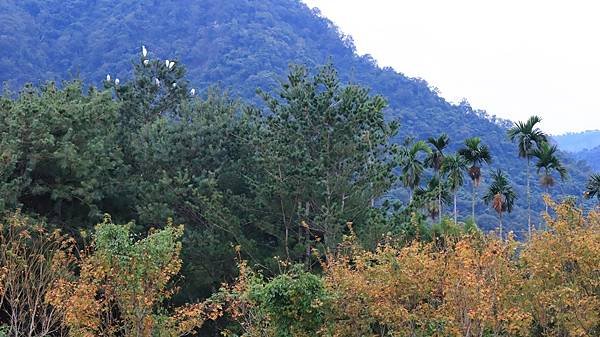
241	45
577	141
591	157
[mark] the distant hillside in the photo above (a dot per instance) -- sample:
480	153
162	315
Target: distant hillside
240	45
574	142
591	157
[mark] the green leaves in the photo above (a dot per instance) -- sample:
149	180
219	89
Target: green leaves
59	152
322	152
296	302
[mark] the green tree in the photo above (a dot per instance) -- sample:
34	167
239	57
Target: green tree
547	160
435	160
500	195
322	151
592	188
432	197
453	167
412	165
476	154
528	137
59	155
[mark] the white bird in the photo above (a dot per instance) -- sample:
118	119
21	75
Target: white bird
157	82
171	65
146	62
167	63
174	84
108	78
117	81
193	92
144	51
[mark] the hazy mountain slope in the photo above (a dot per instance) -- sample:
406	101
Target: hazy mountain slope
591	157
578	141
242	45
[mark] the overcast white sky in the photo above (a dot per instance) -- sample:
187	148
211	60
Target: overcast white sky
513	58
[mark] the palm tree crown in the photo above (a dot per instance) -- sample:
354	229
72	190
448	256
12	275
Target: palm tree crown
453	167
500	195
548	161
475	154
436	156
411	164
527	135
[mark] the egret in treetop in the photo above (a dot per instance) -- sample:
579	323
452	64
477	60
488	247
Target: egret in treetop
167	63
117	81
157	82
108	77
144	51
193	92
146	62
171	65
174	84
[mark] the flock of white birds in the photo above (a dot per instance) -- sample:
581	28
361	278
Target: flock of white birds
169	64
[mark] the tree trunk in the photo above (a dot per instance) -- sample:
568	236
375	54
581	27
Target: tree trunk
455	212
528	199
440	200
473	203
501	236
547	192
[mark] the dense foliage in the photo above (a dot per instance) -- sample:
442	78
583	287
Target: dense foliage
243	45
471	285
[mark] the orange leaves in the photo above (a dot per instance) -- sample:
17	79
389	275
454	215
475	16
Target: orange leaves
563	268
469	288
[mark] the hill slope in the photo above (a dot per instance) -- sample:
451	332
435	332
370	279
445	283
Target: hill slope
574	142
591	157
241	45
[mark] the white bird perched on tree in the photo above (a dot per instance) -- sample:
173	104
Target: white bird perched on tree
144	51
157	82
117	81
146	62
174	84
167	63
193	92
108	77
171	65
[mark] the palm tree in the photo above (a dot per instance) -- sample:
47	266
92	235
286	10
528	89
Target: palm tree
453	167
548	162
593	187
501	195
427	198
411	164
435	159
476	154
528	137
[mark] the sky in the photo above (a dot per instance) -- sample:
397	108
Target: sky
512	58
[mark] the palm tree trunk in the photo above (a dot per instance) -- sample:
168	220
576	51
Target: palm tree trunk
440	202
455	213
547	192
500	226
528	199
473	203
